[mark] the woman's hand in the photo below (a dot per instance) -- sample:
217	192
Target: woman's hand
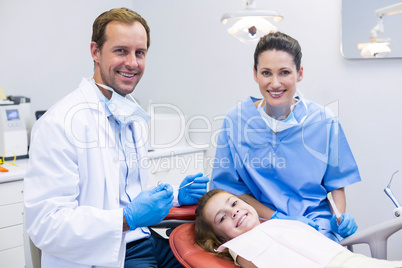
192	188
347	225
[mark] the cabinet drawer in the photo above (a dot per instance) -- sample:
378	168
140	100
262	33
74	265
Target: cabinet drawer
13	258
11	192
11	215
11	237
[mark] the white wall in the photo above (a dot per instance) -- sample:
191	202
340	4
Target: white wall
194	64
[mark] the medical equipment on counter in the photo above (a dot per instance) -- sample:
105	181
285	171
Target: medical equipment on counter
13	131
25	104
387	190
15	126
15	137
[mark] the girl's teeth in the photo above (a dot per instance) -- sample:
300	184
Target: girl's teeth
241	220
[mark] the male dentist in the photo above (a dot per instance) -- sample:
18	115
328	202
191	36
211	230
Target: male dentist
86	202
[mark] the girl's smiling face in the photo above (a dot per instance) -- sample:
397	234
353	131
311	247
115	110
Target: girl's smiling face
230	216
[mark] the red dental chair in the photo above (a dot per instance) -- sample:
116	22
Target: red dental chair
189	254
182	243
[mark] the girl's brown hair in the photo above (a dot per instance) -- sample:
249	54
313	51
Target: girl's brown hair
205	235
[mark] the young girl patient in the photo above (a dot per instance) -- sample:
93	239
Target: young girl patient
230	228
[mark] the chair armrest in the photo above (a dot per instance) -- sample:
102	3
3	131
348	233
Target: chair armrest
177	216
182	213
376	237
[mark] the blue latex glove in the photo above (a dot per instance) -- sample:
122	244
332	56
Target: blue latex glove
281	216
190	194
346	227
149	207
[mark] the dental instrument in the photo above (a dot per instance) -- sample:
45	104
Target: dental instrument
192	182
331	201
387	190
186	185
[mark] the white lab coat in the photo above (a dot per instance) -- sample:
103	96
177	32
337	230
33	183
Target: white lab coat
71	189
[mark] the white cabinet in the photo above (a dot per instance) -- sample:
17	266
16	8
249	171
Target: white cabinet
11	224
12	235
174	164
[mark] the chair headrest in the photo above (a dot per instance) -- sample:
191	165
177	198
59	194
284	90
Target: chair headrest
189	254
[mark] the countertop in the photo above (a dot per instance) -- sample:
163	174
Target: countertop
15	172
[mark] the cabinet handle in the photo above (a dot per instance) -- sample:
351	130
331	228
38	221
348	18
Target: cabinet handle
159	171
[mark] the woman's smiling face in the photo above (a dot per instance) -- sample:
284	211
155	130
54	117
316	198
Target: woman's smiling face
230	216
277	76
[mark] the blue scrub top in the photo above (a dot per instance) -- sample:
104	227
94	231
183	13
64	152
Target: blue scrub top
290	171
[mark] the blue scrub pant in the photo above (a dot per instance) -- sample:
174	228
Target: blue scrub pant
150	252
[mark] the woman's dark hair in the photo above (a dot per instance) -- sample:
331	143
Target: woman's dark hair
279	41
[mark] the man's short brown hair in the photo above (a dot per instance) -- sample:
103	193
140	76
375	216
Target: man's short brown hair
124	15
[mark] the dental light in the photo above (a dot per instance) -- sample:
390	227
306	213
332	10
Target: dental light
378	47
249	24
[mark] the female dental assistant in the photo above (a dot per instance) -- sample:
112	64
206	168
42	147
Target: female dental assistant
283	153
